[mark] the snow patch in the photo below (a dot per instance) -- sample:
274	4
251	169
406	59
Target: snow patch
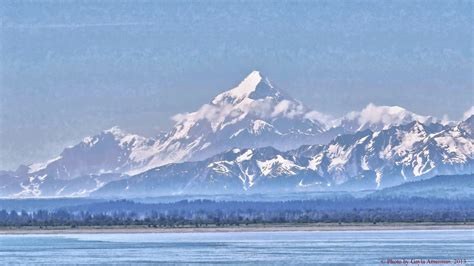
247	155
278	166
40	166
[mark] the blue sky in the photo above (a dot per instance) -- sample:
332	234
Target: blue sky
70	69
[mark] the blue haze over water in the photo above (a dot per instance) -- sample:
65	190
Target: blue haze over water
254	248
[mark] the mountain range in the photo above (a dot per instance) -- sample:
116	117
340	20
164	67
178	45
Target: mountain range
363	160
254	137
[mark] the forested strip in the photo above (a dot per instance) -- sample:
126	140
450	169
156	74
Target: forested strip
220	213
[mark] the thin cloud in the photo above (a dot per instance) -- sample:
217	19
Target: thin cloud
73	26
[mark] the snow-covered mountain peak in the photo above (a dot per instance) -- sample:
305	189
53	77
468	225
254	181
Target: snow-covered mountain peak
253	87
253	114
255	98
417	127
111	151
376	118
117	135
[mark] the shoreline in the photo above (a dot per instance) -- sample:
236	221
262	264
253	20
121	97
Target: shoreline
232	229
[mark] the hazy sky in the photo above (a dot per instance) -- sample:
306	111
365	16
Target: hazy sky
69	70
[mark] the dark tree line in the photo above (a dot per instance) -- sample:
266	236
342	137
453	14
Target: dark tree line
221	213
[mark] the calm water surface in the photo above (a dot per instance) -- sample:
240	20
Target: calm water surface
259	248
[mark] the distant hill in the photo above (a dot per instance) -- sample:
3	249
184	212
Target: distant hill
442	186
